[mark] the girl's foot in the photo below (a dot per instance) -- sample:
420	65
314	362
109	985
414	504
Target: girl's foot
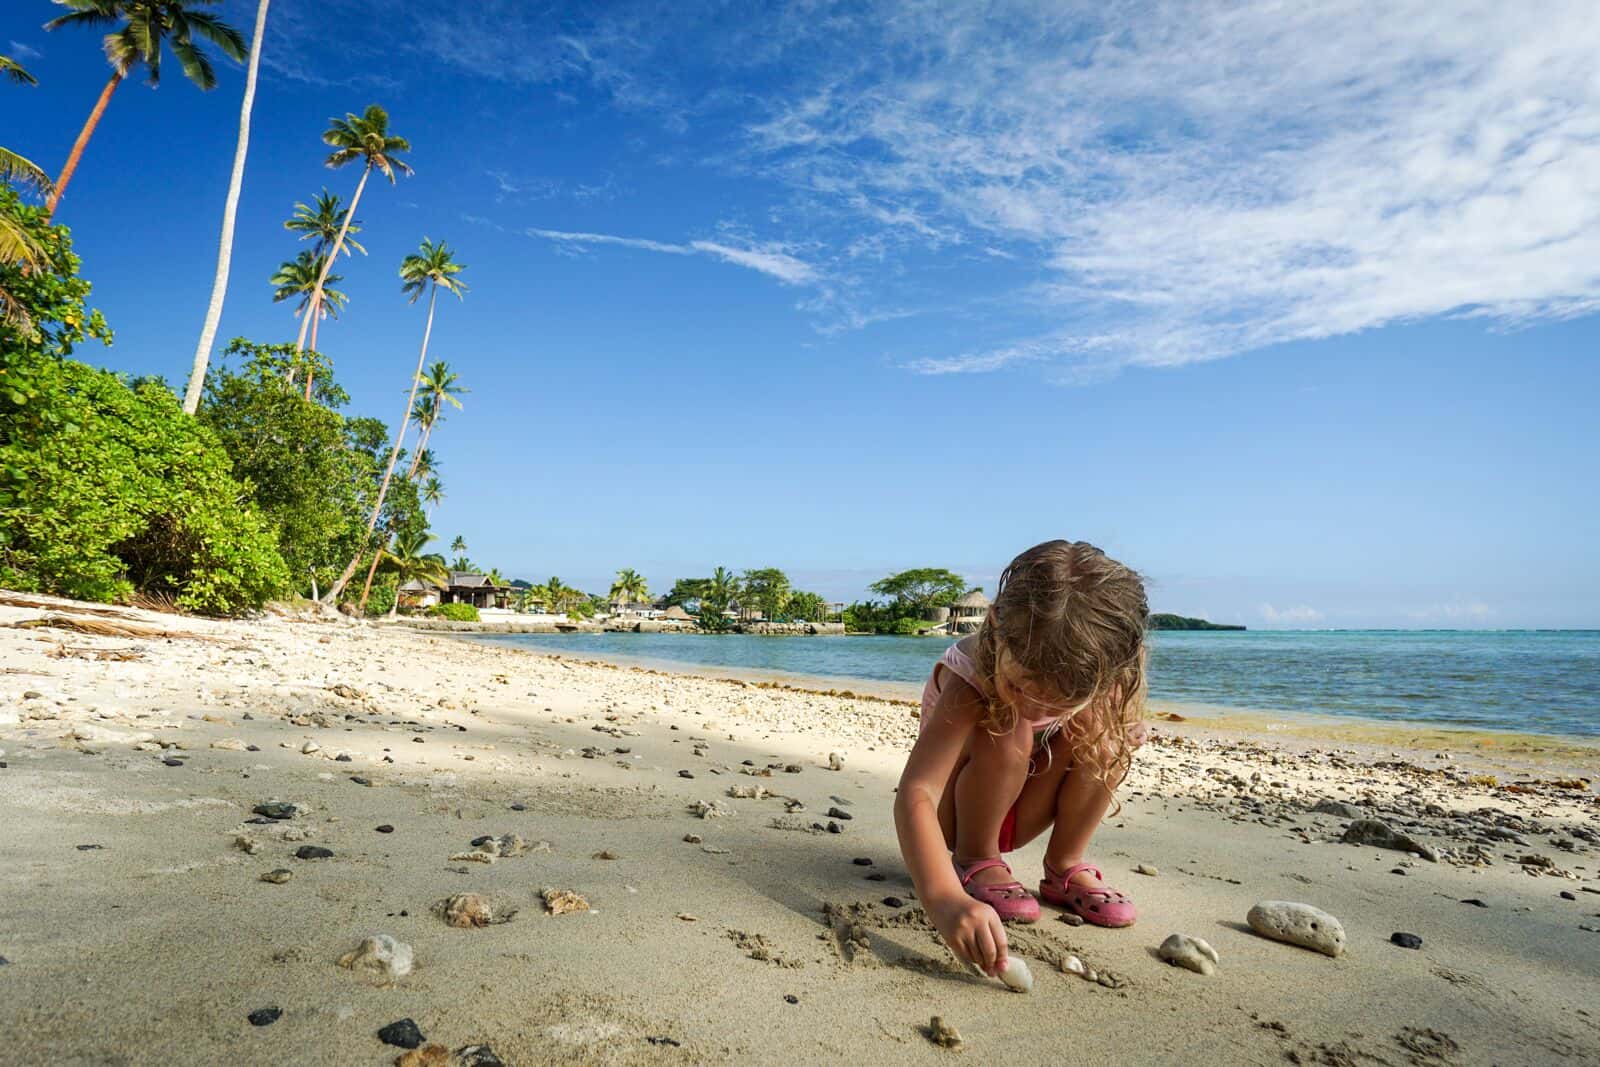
1080	890
1004	894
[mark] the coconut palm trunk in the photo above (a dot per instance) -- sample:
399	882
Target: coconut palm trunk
366	589
230	207
316	313
316	293
394	453
81	143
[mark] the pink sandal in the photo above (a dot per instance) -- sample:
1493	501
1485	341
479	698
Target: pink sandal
1010	900
1103	907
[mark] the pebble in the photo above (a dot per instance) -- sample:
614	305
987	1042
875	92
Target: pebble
894	902
1016	975
839	813
1567	894
1475	902
1071	918
685	774
358	780
693	839
278	877
173	762
1147	869
1380	835
467	910
265	1016
1406	940
480	1056
276	809
836	763
401	1034
943	1034
877	876
562	901
790	998
1339	808
310	747
792	768
380	954
1194	953
1298	924
604	854
835	828
384	829
862	861
313	852
1073	965
519	807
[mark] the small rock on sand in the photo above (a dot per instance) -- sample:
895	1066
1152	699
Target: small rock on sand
264	1016
467	910
384	829
1071	918
278	877
426	1056
229	744
693	839
1016	975
1298	924
1405	940
1329	806
379	955
836	763
1380	835
313	852
276	809
1194	953
710	810
943	1034
402	1034
476	1056
1147	869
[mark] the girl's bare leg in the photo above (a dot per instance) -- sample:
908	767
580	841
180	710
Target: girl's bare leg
1070	803
987	780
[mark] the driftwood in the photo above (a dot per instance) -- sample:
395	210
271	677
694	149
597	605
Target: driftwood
106	627
19	600
118	655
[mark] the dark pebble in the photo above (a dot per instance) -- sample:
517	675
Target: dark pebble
358	780
835	828
343	758
894	902
265	1016
1475	902
1406	940
862	861
276	809
483	1056
259	821
669	1042
685	774
402	1034
252	748
1566	894
790	998
793	768
4	962
313	852
384	829
90	848
484	840
876	876
1399	870
173	762
519	807
418	740
749	763
839	813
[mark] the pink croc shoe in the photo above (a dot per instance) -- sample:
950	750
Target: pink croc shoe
1010	900
1103	907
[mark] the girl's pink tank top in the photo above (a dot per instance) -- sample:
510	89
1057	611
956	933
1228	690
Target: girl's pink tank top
960	664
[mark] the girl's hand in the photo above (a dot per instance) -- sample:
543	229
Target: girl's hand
972	930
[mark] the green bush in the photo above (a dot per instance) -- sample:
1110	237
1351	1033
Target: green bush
107	488
454	612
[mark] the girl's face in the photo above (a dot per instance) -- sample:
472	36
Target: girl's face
1036	699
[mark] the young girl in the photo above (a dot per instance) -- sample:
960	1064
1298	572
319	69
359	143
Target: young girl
1027	727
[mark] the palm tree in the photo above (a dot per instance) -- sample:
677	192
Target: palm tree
298	277
459	545
432	492
230	207
629	587
321	220
427	463
432	268
365	137
145	25
17	246
406	560
439	386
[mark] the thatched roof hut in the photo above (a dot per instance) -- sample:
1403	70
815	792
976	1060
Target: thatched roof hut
677	614
971	603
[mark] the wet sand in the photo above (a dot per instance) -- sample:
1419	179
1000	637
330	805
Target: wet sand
137	928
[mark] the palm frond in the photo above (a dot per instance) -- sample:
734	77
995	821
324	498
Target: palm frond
86	13
219	33
196	67
16	71
24	171
20	248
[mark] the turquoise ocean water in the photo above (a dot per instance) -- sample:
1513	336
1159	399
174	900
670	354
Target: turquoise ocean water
1530	681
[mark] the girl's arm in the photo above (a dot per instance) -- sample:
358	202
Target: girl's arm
969	926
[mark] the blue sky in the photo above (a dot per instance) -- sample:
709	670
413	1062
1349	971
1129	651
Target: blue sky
1292	310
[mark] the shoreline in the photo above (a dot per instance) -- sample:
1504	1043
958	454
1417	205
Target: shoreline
744	899
1577	754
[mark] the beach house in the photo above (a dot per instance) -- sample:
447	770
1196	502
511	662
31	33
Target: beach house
967	613
464	587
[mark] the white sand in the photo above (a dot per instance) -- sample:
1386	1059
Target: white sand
154	947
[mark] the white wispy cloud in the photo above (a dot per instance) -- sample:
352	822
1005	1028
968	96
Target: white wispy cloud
768	260
1300	614
19	50
1470	611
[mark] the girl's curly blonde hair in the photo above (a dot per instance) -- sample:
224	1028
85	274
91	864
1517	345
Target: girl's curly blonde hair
1072	616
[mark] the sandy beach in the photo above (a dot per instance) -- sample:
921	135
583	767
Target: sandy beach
145	780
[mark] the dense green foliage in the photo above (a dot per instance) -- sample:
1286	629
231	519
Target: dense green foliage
915	591
872	617
51	303
809	607
766	589
106	489
454	612
1161	621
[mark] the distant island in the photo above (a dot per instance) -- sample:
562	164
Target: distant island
1183	622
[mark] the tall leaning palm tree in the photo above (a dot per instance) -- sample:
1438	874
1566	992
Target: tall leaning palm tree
440	386
139	29
230	208
431	268
629	587
432	492
363	137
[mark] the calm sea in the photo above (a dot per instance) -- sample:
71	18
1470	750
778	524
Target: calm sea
1532	681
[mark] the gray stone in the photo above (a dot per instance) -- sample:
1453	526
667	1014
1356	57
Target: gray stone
1194	953
1298	924
1339	808
1380	835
